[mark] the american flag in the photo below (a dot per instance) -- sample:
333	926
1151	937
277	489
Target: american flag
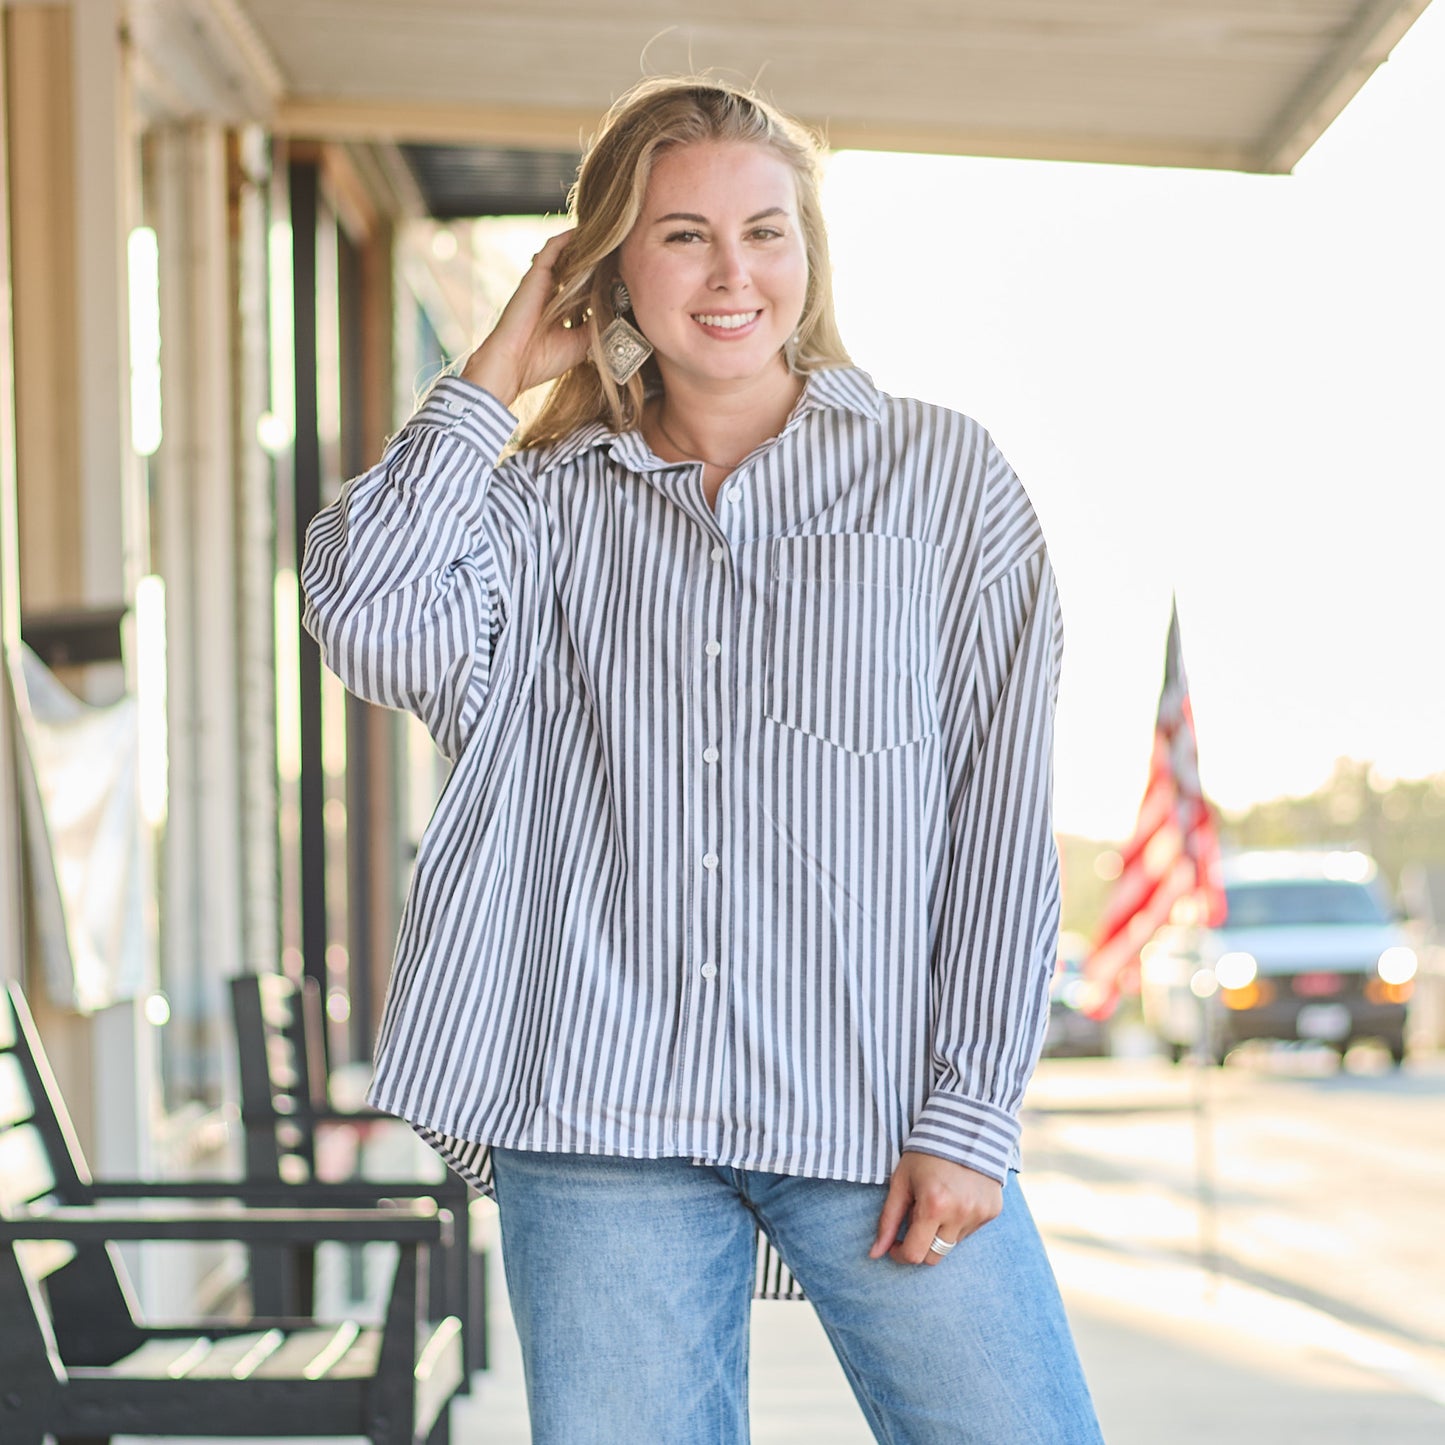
1172	860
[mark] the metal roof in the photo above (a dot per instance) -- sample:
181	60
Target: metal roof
1239	84
457	181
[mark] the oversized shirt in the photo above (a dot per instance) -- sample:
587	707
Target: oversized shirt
746	853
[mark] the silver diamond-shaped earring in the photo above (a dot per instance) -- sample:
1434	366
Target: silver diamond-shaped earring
624	347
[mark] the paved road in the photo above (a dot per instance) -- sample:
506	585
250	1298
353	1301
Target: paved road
1267	1240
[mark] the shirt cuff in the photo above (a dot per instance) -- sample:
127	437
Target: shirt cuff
466	411
966	1131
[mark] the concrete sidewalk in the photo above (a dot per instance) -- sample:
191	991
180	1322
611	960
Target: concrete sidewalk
1177	1357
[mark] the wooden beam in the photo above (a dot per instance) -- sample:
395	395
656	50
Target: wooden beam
542	128
1378	27
1048	146
523	126
112	525
46	328
348	194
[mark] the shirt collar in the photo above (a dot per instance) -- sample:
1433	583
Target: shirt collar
841	388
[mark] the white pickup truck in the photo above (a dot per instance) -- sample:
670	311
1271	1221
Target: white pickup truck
1311	948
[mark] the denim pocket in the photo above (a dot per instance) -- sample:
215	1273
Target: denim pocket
851	639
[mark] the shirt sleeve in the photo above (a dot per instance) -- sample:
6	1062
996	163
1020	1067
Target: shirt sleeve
406	574
995	949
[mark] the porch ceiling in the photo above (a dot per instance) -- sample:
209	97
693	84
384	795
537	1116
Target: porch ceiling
1238	84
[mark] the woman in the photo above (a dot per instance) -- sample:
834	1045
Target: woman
739	907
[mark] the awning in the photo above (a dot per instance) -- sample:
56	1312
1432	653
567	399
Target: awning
1236	84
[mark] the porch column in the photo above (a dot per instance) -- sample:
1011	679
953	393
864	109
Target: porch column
12	917
195	500
79	506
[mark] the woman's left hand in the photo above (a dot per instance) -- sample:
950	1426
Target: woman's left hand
939	1199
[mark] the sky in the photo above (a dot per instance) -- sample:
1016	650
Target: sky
1224	387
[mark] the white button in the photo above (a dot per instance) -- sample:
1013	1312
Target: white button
709	861
734	493
717	554
709	970
709	755
713	648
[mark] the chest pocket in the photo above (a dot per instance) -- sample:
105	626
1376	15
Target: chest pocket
851	639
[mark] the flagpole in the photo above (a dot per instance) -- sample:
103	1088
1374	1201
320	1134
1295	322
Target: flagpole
1205	1174
1170	863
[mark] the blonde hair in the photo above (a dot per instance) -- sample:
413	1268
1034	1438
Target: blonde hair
605	202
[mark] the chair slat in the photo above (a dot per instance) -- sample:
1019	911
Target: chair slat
363	1359
321	1367
16	1105
40	1258
237	1356
281	1066
25	1172
280	999
439	1365
165	1359
303	1349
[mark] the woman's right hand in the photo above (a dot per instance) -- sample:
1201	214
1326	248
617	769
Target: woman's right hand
521	352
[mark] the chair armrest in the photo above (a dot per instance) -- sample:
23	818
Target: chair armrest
419	1223
275	1193
293	1111
362	1114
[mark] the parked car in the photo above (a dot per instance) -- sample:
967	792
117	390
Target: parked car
1311	948
1071	1031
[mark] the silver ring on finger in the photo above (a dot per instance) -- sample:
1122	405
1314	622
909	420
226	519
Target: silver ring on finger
941	1246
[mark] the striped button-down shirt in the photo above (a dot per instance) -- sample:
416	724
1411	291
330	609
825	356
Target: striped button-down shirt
746	852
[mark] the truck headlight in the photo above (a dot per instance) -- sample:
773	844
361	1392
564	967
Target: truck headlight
1236	970
1397	965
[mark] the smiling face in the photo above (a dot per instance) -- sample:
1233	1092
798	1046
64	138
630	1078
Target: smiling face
716	264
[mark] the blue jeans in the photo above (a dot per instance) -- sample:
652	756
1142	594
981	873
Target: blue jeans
631	1283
